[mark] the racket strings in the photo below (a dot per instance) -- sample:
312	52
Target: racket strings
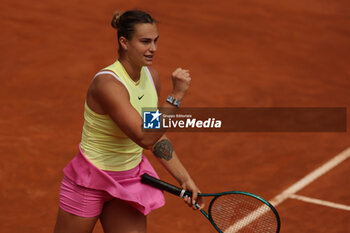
243	213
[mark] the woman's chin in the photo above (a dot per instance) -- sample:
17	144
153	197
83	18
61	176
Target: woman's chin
148	62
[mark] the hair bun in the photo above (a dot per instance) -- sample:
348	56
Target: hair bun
115	19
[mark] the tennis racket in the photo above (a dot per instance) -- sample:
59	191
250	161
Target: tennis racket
230	212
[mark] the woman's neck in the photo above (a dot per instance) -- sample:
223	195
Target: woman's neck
132	69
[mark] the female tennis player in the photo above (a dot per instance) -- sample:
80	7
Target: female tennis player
104	180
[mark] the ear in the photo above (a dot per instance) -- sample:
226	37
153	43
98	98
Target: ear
123	42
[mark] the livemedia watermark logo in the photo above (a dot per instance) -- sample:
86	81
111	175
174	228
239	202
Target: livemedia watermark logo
157	120
182	121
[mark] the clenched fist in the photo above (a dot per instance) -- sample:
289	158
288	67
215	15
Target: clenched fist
181	82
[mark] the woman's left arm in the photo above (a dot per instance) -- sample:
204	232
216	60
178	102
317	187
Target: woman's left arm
164	151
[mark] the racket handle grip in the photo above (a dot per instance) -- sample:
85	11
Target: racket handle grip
150	180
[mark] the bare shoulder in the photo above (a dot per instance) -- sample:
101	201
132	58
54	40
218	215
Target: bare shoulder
156	78
104	83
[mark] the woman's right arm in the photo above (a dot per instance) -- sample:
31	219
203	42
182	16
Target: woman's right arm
113	98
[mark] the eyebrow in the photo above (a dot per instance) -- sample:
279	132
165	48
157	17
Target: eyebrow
145	38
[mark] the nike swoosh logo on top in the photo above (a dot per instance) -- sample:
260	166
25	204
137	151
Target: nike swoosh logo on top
140	97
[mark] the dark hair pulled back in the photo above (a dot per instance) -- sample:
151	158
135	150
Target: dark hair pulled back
125	23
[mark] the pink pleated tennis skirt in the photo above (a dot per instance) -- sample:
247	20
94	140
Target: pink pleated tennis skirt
85	188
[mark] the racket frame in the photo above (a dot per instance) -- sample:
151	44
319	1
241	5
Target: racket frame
150	180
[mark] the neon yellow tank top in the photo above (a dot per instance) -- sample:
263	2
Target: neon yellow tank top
103	142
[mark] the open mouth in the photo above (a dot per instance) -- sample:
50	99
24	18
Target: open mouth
149	57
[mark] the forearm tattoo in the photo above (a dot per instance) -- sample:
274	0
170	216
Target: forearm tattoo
163	149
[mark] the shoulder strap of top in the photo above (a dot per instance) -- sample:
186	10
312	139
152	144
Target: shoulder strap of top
111	73
151	78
